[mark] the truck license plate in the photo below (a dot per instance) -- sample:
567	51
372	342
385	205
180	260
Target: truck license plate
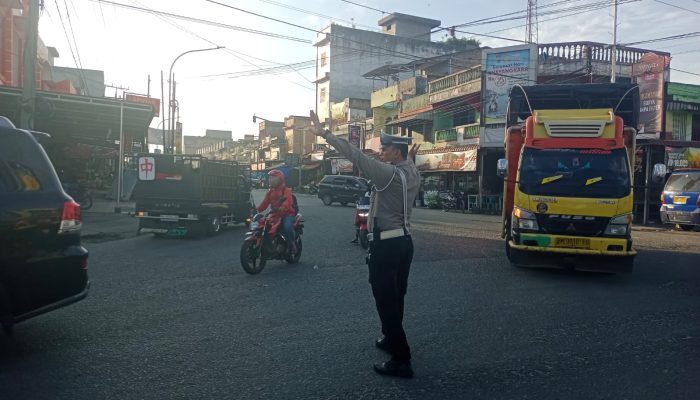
578	243
169	218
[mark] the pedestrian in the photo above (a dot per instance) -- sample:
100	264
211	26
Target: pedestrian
396	180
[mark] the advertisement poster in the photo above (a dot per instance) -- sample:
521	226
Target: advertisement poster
354	135
453	161
682	157
340	166
649	72
504	68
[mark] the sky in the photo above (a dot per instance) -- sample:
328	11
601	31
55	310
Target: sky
215	89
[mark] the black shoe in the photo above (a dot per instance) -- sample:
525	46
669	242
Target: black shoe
395	368
355	241
383	344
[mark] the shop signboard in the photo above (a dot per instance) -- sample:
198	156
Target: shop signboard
650	73
354	135
147	168
682	157
448	161
153	102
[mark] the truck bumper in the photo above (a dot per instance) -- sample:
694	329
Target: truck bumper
594	259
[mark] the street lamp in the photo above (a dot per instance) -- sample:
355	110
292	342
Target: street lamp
171	91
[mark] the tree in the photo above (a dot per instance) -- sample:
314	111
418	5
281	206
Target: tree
461	44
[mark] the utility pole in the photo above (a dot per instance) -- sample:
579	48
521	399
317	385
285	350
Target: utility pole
613	53
162	105
29	70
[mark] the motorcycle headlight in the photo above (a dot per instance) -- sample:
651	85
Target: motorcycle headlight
525	220
363	215
619	225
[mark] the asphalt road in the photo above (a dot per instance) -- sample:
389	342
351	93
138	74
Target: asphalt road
178	318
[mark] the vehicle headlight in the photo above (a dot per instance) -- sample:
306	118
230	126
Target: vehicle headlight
524	219
363	215
619	225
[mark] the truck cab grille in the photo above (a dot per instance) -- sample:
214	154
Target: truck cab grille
572	225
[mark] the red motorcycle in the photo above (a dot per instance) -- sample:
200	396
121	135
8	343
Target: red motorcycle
361	217
264	242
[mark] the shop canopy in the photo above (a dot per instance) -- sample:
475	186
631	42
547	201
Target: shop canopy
80	119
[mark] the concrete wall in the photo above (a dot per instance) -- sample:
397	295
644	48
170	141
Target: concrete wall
93	86
354	52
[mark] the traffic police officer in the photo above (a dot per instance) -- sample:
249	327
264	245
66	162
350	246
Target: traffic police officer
396	182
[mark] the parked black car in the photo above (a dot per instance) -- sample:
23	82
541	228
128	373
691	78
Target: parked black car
341	189
43	265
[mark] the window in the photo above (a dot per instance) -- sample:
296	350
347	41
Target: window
324	59
23	167
322	95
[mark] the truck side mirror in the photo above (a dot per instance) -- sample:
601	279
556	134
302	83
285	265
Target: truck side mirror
502	168
659	173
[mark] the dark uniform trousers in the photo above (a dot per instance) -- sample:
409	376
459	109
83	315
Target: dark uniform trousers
389	264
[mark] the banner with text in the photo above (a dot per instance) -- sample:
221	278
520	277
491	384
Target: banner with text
450	161
682	157
503	68
650	72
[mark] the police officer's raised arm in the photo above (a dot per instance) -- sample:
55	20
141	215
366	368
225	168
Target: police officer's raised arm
379	172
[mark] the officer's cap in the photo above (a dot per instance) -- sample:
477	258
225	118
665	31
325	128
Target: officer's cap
388	140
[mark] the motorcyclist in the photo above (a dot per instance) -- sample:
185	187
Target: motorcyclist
279	199
362	201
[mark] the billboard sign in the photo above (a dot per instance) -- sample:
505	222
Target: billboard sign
650	72
504	68
135	98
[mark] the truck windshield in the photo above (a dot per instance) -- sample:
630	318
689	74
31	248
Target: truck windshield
575	172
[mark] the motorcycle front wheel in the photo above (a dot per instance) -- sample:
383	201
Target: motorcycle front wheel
251	259
364	240
86	202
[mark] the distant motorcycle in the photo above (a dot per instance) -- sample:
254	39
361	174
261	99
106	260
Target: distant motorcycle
80	194
448	200
310	188
361	218
264	242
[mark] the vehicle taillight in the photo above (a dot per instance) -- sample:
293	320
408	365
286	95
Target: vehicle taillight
71	220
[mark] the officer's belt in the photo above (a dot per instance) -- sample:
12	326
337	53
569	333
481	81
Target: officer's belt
391	234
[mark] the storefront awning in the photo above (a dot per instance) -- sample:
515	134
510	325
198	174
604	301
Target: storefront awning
80	119
419	118
308	167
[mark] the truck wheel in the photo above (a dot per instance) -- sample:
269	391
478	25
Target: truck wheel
213	226
512	254
327	200
686	227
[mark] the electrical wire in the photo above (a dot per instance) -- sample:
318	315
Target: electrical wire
70	47
679	7
301	10
364	6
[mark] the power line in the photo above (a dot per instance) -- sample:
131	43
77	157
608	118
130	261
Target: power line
679	7
662	39
70	47
233	53
685	72
206	22
364	6
301	10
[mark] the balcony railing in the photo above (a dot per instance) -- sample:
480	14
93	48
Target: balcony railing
446	135
415	103
460	78
469	131
600	52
